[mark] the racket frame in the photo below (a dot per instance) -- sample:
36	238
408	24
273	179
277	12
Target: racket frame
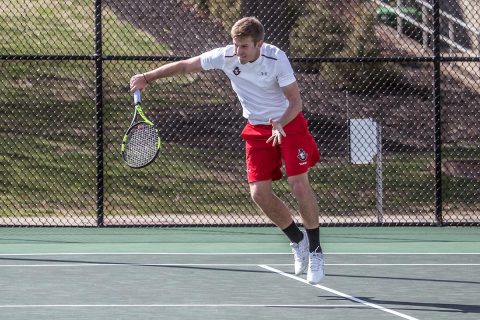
133	124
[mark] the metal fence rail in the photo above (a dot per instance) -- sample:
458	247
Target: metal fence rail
422	20
395	115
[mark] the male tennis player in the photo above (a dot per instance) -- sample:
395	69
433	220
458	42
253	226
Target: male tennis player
276	131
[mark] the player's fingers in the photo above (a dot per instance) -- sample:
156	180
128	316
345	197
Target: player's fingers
136	86
134	79
137	82
271	140
275	140
133	85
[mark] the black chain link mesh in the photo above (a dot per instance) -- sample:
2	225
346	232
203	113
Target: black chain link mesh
390	88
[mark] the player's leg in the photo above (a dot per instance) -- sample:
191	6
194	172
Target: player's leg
276	210
306	198
309	211
264	163
300	153
308	207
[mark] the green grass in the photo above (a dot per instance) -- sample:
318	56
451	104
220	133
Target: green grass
67	27
353	187
59	177
61	173
48	116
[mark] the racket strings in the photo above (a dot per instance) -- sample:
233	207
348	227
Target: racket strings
141	146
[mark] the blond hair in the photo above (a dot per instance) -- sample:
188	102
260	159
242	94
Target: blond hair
248	27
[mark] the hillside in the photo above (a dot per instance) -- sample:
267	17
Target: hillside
187	31
405	110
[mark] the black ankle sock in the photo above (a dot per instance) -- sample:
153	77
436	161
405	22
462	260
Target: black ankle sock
314	239
293	233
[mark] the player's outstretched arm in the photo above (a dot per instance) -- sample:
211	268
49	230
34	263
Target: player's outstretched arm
140	81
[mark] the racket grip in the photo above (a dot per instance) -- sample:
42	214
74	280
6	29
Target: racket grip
137	97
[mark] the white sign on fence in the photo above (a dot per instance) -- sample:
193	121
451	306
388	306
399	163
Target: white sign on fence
366	147
363	140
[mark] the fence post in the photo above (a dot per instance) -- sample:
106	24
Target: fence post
99	111
437	106
379	173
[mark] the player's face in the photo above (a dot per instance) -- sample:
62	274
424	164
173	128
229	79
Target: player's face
246	49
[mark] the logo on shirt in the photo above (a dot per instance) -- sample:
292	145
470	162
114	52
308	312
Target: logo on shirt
302	155
236	71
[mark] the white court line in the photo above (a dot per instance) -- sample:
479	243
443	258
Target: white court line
338	293
176	305
126	264
402	264
229	253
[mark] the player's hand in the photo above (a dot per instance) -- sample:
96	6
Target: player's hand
138	82
277	133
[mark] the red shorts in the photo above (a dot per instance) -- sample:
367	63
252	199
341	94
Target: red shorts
298	151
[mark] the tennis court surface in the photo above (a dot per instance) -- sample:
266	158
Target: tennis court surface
237	273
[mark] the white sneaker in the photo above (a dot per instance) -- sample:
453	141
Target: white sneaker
316	271
300	254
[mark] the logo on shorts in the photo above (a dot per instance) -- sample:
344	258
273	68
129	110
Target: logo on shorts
302	156
236	71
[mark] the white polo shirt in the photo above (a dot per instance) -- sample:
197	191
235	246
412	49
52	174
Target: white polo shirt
257	84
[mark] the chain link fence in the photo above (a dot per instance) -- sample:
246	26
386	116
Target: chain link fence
390	88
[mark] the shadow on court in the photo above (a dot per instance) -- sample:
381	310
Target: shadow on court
131	264
422	306
404	278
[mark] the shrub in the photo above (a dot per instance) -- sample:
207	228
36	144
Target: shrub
341	29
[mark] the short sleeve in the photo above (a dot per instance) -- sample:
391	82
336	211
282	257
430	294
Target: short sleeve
213	59
285	75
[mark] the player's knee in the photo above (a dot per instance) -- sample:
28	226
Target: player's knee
258	195
300	189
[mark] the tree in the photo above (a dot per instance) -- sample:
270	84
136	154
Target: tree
340	29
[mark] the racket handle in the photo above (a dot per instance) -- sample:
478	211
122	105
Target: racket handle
137	97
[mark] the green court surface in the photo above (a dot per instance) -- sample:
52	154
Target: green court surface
237	273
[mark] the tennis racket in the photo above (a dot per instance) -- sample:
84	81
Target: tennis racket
141	143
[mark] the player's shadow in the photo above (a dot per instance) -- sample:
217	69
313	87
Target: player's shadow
406	279
416	305
193	266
